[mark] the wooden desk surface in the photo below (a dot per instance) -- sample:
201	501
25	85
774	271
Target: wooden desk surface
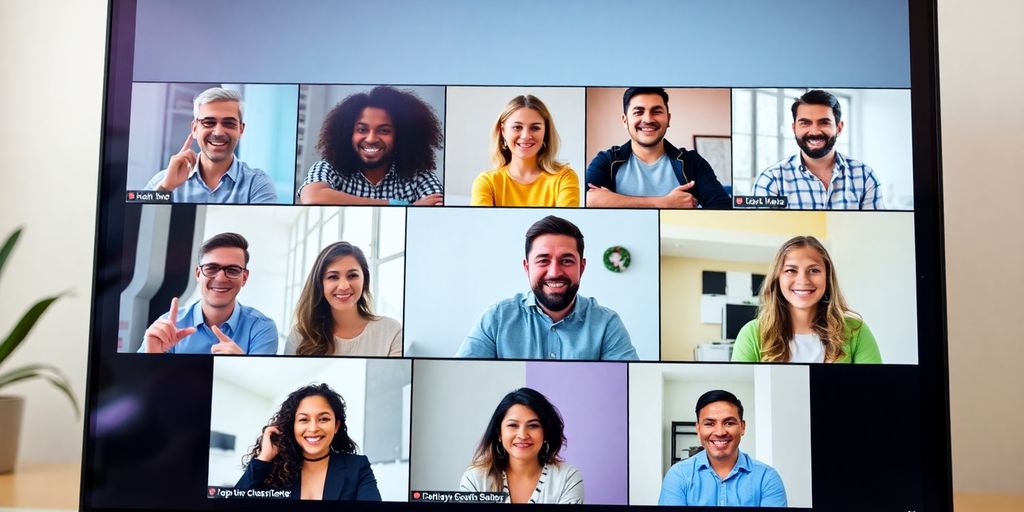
41	485
55	486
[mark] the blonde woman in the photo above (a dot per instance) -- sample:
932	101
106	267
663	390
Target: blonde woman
524	144
803	317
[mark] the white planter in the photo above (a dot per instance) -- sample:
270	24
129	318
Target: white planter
11	408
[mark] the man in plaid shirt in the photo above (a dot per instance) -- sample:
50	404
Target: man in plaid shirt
376	148
820	178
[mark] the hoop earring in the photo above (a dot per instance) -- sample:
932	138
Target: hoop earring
825	298
497	448
547	449
504	145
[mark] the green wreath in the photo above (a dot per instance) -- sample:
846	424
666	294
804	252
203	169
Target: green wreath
620	263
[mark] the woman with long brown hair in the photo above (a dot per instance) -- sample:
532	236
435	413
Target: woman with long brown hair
334	315
803	316
524	145
518	454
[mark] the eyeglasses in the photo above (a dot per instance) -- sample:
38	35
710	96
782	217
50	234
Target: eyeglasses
212	269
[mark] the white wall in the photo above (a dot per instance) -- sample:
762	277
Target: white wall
646	443
874	258
236	411
472	113
452	403
449	284
886	143
789	395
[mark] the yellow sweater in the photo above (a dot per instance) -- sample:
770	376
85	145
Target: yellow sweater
497	188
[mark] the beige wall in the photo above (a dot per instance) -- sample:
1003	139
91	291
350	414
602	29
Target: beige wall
54	50
982	130
681	329
694	112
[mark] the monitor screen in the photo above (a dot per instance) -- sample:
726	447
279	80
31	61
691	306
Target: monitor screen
419	253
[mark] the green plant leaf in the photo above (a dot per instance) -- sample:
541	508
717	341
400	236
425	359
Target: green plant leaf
8	247
50	373
24	326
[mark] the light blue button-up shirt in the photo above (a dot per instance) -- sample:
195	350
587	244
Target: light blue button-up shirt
251	330
241	185
518	328
750	484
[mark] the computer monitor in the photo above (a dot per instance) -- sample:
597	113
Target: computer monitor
414	253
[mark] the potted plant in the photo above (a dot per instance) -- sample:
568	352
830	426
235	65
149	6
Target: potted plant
11	407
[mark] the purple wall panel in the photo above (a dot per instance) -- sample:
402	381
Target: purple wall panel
592	400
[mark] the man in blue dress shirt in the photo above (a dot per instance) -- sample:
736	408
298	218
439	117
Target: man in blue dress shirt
551	321
721	475
217	323
214	175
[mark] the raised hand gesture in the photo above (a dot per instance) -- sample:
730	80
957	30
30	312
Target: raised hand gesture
268	448
180	166
164	333
226	345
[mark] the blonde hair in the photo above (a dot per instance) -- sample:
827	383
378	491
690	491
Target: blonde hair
501	155
775	324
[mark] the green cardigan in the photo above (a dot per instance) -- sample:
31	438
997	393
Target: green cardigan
860	346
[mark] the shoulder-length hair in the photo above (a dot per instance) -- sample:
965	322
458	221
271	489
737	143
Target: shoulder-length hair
287	465
501	155
775	324
489	458
314	322
417	131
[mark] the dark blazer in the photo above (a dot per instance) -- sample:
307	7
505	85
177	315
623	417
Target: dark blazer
349	477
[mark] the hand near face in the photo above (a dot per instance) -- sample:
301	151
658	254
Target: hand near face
679	197
164	333
226	346
430	200
180	166
268	448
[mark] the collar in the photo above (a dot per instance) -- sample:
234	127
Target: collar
839	167
626	150
198	319
578	313
392	171
233	171
742	463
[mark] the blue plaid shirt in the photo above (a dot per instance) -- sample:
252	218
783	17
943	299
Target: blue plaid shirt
241	185
853	186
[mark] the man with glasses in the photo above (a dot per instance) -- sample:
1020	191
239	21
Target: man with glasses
217	323
214	175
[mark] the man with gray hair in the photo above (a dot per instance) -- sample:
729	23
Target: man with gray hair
214	175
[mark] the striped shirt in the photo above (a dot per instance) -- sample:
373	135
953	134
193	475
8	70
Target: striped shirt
853	186
393	186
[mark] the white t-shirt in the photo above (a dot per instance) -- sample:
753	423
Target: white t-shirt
381	337
806	348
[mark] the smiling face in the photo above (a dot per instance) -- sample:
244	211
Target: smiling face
523	132
647	119
522	435
816	130
218	129
373	138
803	278
554	268
220	290
720	428
343	283
315	426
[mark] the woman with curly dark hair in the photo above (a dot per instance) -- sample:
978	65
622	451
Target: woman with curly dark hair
376	148
518	454
306	452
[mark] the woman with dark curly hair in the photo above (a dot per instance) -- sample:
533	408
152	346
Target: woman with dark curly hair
334	314
518	454
306	451
376	148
